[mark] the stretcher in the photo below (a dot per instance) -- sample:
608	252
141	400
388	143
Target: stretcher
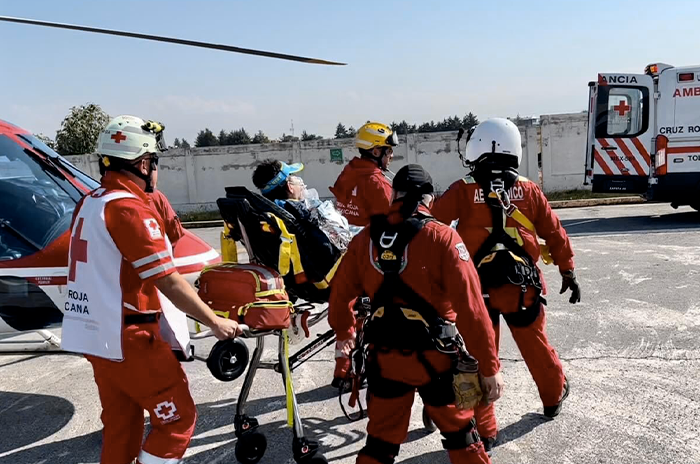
269	234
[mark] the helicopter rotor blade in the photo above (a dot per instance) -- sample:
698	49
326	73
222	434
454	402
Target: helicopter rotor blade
157	38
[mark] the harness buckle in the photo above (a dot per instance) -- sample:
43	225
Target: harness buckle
498	187
390	238
503	198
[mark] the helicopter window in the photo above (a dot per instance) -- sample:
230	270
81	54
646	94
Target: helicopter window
86	180
37	205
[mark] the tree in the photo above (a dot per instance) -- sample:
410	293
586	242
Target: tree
469	121
185	144
206	138
351	132
427	127
223	138
403	128
260	137
305	136
176	143
518	120
80	129
47	140
238	137
288	138
340	132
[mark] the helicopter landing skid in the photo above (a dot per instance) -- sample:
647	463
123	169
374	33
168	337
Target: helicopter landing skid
50	343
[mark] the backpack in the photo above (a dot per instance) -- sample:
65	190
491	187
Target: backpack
248	293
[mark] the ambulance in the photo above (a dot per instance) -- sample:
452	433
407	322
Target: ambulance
644	134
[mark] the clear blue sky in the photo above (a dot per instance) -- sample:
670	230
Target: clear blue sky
406	60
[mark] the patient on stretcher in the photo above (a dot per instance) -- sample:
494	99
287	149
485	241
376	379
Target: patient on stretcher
280	183
288	229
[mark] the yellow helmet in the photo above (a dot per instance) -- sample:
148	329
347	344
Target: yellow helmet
375	134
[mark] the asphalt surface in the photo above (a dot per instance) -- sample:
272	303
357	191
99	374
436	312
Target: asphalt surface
631	350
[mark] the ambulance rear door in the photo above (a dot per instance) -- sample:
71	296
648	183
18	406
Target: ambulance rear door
679	119
590	135
622	133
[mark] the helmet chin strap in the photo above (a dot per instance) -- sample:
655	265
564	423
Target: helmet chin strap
488	173
145	177
378	159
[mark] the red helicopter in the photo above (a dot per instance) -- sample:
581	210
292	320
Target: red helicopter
39	190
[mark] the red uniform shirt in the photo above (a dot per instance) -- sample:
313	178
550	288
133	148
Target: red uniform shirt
362	191
438	269
137	231
464	200
173	226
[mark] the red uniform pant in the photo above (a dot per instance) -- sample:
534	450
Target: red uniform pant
539	356
149	378
391	396
342	362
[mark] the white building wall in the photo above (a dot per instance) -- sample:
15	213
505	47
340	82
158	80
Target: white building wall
193	179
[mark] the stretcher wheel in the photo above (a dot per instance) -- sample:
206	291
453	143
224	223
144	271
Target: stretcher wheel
250	447
228	359
428	422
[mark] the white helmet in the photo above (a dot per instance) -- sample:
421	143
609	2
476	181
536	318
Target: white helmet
497	136
129	137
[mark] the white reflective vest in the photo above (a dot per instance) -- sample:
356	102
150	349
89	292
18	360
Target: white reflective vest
93	311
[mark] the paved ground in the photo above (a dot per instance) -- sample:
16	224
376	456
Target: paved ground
631	350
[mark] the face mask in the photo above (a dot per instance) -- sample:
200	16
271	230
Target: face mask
309	194
310	197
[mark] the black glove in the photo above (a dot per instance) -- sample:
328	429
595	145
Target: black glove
568	281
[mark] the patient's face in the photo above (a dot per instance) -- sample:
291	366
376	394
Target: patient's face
295	187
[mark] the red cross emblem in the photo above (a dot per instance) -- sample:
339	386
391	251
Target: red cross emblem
153	228
622	108
165	410
118	137
78	250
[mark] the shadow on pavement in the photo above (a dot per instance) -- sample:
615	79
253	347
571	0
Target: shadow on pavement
689	220
31	418
28	418
436	457
278	435
525	425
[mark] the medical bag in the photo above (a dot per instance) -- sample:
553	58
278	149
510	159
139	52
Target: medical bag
248	293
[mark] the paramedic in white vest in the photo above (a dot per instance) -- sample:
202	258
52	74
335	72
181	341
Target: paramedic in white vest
119	257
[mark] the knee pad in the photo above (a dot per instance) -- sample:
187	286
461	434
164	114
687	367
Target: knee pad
380	450
461	439
524	317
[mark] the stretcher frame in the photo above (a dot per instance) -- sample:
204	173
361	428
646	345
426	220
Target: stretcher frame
251	444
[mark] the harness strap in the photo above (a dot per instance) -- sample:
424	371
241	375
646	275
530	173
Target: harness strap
499	238
461	439
380	450
394	239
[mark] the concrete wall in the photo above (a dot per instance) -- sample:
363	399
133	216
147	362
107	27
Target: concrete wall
194	178
563	145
